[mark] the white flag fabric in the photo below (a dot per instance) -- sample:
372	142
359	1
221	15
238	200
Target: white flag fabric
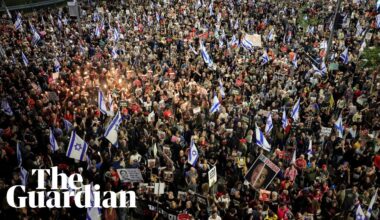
18	154
151	116
339	126
310	150
193	154
93	213
261	141
294	157
284	119
359	215
113	127
269	124
296	110
77	147
215	105
24	176
373	200
101	103
53	142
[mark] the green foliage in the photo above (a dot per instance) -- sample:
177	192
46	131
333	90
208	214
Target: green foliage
370	58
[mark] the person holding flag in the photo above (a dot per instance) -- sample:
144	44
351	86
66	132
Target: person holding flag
215	105
77	147
261	140
193	154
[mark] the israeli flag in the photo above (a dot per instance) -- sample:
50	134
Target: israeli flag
36	38
215	105
101	103
6	108
24	176
295	61
261	141
310	150
234	41
114	53
221	89
264	58
344	56
77	147
116	34
269	124
284	119
271	35
378	21
248	45
377	5
339	126
205	55
18	154
18	23
53	142
113	127
373	200
236	26
96	16
359	214
24	59
193	50
59	22
316	70
210	8
67	125
97	31
57	65
296	110
323	69
193	154
93	213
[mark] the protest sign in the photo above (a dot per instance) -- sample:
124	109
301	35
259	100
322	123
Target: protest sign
212	176
262	172
130	175
255	39
264	195
326	131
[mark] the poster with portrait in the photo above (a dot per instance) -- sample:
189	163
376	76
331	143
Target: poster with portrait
168	176
151	163
261	173
130	175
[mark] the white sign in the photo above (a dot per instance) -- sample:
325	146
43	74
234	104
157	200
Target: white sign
255	39
212	176
159	188
130	175
326	131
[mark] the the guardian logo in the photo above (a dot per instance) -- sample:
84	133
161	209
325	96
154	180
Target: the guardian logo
85	196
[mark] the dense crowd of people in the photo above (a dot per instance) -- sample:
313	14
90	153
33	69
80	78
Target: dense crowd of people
147	58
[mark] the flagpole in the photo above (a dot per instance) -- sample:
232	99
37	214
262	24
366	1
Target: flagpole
333	29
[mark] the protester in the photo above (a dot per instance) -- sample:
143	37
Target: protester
175	88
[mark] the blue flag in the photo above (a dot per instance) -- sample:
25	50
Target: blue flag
193	154
77	147
53	142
